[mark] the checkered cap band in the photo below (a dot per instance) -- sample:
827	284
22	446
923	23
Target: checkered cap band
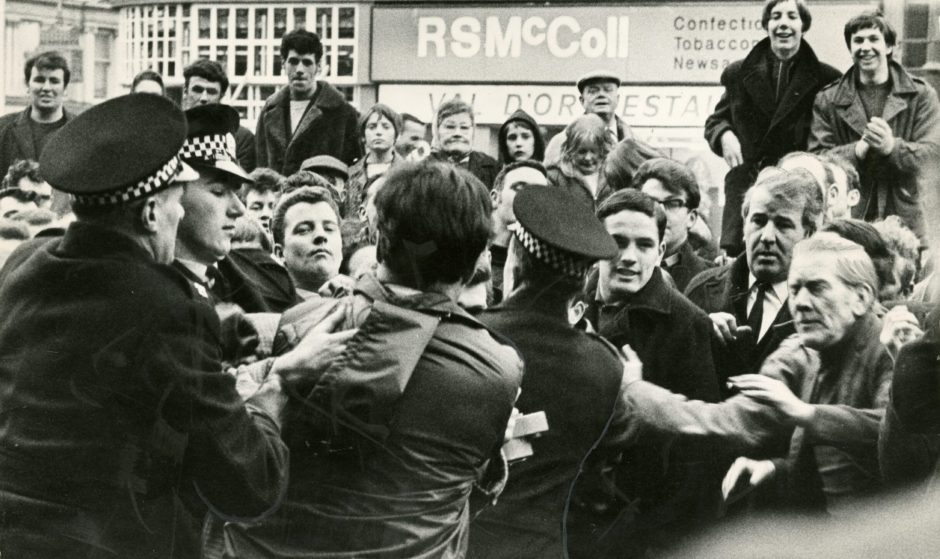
568	264
153	183
209	149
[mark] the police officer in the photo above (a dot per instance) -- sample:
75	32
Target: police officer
115	409
251	279
572	376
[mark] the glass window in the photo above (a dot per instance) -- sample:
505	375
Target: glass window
222	23
324	23
261	23
278	65
241	23
326	63
186	33
280	22
241	60
916	21
347	23
204	26
260	69
344	65
300	18
221	56
203	52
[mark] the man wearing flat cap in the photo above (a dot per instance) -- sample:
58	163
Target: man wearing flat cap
249	278
599	93
119	427
572	376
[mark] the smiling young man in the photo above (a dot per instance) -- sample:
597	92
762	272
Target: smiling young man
307	117
883	120
767	106
24	134
636	306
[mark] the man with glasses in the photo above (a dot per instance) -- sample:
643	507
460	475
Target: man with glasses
674	187
307	117
205	83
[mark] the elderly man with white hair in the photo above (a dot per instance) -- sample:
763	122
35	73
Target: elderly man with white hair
831	380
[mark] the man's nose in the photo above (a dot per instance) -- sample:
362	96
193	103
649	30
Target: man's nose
235	207
768	234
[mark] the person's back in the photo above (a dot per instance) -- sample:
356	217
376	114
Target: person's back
578	403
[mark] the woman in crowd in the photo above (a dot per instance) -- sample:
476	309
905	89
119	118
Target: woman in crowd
379	129
520	139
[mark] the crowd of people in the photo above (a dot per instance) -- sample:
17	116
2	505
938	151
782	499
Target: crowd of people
351	335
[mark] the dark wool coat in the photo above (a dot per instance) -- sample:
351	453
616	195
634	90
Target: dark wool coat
725	289
16	140
116	410
688	266
329	127
889	184
574	378
766	128
480	165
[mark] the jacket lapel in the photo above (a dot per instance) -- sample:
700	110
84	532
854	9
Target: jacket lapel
897	99
277	120
757	85
849	105
801	83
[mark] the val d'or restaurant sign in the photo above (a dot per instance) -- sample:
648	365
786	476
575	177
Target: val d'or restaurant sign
690	43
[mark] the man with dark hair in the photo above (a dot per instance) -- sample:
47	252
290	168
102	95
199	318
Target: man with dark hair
148	81
23	135
261	193
249	278
766	108
882	119
510	179
387	447
206	82
127	430
412	135
673	186
635	305
747	299
24	175
307	238
308	116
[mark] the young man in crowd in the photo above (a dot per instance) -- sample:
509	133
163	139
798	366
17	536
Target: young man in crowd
24	134
260	195
308	116
766	108
206	82
882	119
673	186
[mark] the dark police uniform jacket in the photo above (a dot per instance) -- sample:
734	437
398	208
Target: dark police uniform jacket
114	410
574	378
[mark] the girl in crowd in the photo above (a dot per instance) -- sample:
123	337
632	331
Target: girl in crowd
519	139
586	146
379	128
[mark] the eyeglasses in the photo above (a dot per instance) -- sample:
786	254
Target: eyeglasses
672	204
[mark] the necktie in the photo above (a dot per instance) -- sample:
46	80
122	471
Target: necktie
613	136
756	317
213	276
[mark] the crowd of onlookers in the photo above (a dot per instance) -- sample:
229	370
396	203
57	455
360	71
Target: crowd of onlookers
788	365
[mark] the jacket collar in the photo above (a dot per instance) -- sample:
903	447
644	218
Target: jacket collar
424	301
655	296
757	79
278	109
849	103
90	239
24	136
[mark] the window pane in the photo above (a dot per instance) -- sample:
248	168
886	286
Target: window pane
260	70
101	79
347	23
186	33
916	18
261	23
102	46
326	63
278	65
300	18
204	24
344	66
241	24
221	56
241	61
280	22
222	24
324	23
203	52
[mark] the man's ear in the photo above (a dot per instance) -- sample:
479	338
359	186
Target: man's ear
863	300
662	252
693	217
148	215
278	251
495	197
854	197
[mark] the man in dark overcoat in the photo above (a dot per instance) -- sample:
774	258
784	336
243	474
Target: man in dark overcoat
571	376
766	109
118	427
